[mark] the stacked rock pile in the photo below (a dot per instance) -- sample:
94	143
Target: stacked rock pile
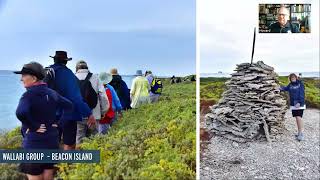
251	108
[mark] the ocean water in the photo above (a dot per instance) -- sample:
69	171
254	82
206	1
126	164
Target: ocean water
223	74
11	90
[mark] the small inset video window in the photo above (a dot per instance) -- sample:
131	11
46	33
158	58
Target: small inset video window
284	18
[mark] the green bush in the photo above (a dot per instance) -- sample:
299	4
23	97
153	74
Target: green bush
156	141
11	140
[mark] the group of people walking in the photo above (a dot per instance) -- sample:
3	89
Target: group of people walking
60	105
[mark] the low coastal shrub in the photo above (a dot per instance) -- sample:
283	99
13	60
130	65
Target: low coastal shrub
156	141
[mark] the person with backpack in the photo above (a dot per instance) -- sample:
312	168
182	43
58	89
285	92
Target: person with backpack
297	102
37	111
61	79
121	88
155	86
112	114
139	92
92	91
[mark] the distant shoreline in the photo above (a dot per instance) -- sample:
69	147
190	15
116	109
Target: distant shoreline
311	74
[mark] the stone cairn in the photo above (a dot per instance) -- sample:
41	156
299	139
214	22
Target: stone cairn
251	108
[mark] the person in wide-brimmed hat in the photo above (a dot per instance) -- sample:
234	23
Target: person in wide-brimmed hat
114	102
61	55
121	88
62	79
139	92
37	111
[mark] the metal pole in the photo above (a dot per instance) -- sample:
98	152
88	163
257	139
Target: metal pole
254	41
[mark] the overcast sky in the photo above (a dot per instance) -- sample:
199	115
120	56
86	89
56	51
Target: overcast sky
158	35
226	34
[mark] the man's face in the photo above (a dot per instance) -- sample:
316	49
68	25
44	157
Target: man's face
283	16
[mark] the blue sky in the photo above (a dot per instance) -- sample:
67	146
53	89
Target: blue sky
226	35
158	35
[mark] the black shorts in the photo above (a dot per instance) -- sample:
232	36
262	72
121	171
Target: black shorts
298	112
34	168
68	132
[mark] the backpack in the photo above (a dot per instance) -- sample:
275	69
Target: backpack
88	93
50	76
156	86
109	115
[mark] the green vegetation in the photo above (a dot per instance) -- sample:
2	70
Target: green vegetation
212	88
156	141
10	140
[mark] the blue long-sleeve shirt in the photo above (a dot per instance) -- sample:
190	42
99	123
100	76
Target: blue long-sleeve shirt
296	92
66	85
116	104
38	105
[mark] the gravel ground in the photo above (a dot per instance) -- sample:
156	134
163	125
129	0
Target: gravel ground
284	158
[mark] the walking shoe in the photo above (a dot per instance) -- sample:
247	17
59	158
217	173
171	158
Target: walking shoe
300	137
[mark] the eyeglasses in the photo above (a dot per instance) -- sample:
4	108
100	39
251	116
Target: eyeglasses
282	14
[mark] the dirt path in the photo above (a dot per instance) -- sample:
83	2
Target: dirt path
284	159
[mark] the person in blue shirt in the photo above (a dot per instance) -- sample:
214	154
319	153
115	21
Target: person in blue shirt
106	78
61	79
297	101
37	111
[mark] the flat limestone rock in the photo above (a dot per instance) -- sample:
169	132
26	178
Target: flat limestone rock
251	108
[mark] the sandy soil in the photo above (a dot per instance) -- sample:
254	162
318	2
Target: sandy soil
285	158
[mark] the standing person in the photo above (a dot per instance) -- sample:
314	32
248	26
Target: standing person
37	111
139	92
121	88
297	102
90	85
112	114
61	79
155	85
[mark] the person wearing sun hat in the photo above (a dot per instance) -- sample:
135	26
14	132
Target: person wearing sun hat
37	111
121	88
61	79
112	114
140	89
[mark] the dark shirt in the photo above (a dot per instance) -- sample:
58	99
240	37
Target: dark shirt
66	85
289	27
38	105
122	91
296	93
